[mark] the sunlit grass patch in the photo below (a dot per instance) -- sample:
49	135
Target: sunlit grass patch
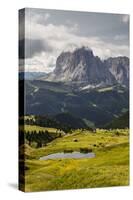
110	166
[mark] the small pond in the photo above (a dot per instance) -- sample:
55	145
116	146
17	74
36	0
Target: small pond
74	154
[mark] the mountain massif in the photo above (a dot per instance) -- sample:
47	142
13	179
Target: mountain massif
93	91
82	67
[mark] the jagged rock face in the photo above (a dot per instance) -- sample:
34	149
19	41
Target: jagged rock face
119	68
81	66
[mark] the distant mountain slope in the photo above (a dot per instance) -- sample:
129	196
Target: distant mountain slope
31	75
70	120
81	66
119	68
98	105
62	121
120	122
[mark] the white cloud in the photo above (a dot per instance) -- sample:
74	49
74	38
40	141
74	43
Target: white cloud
46	16
125	19
61	38
37	17
120	37
43	62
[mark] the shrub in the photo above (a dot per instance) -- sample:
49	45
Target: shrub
75	140
85	150
117	133
68	150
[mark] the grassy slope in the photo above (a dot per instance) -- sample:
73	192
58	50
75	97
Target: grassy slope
37	128
120	122
108	168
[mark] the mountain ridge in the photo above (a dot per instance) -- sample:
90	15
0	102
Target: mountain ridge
99	106
31	75
81	66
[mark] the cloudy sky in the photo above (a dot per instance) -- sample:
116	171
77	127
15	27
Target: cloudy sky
49	32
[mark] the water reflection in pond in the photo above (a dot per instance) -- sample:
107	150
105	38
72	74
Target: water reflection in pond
74	154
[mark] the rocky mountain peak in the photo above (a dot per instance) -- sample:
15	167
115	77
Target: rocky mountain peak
81	66
119	68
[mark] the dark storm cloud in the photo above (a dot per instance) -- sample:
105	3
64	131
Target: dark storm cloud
53	31
32	47
103	25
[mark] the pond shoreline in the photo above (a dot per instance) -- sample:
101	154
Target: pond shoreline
62	155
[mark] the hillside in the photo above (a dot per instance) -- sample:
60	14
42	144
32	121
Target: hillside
62	121
70	121
99	106
109	167
31	75
120	122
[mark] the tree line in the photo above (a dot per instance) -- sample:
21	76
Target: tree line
41	138
46	121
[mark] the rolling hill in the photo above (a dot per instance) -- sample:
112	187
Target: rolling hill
120	122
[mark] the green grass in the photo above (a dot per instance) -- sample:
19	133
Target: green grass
86	139
105	89
38	128
110	167
30	117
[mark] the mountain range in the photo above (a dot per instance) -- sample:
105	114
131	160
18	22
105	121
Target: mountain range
31	75
82	67
83	86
